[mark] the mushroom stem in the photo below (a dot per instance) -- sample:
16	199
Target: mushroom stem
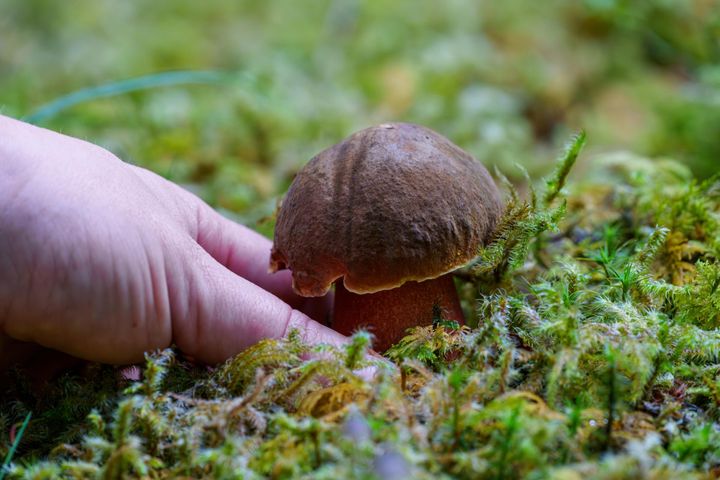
389	313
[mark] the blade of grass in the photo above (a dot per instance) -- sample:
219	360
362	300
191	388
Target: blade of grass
11	452
164	79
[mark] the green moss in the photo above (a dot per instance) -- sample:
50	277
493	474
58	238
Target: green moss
591	358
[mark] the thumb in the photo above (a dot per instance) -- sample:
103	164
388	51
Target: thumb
222	313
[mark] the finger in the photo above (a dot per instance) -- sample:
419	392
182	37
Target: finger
224	314
247	253
243	251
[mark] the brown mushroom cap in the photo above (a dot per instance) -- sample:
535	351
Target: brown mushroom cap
389	204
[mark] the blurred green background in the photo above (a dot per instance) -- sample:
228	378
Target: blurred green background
507	80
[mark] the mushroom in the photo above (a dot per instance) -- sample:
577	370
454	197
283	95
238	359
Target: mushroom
391	210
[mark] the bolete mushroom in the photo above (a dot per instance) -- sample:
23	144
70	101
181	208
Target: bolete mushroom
390	210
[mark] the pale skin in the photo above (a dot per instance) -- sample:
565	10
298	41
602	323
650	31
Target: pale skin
104	261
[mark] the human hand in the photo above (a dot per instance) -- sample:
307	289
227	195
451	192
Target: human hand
104	261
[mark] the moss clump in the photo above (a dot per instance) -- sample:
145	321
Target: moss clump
594	353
